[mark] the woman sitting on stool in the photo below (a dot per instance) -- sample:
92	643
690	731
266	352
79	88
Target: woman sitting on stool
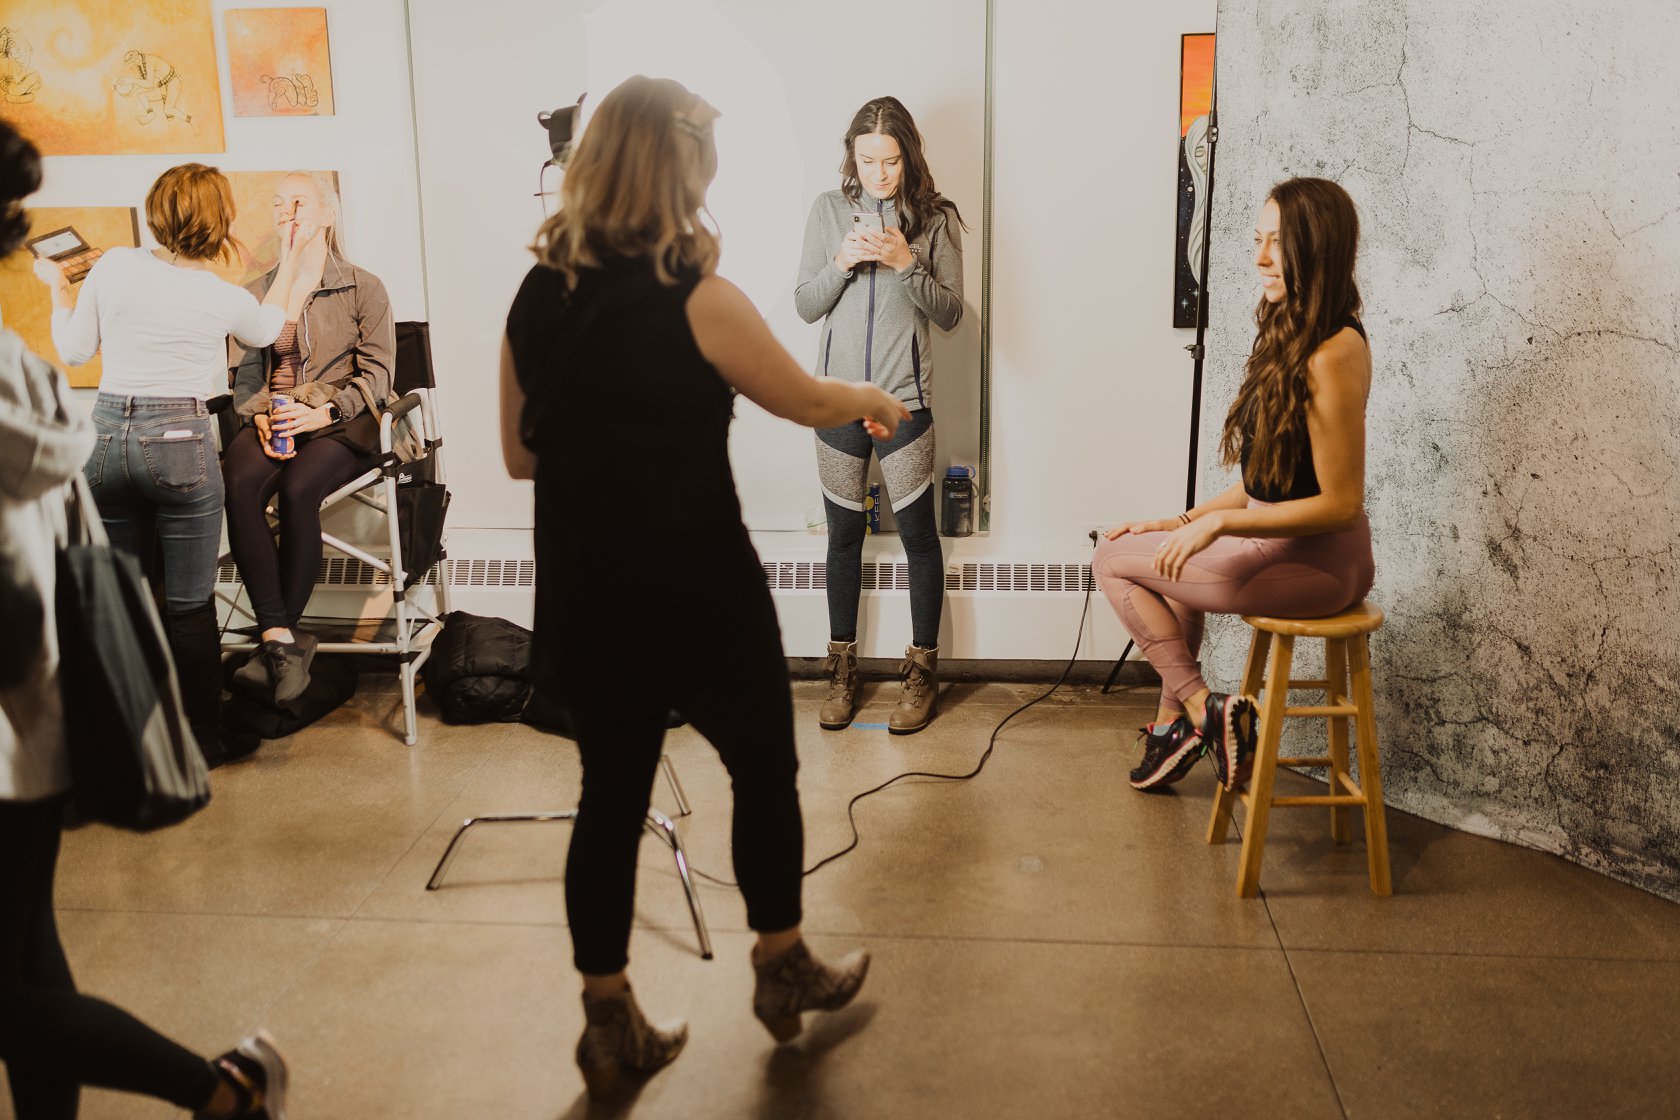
1291	539
338	328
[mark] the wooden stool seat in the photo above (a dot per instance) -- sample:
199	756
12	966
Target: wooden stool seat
1347	696
1363	619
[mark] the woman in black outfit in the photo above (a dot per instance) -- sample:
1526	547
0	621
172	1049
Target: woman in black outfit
624	351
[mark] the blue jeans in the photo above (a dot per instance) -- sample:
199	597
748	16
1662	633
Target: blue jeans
157	482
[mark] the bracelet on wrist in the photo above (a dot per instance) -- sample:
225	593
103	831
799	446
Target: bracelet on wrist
1184	518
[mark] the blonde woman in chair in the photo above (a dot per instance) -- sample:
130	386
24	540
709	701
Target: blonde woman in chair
337	330
1291	538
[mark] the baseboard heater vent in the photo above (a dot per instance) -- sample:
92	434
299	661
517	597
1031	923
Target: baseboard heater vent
782	575
807	575
344	571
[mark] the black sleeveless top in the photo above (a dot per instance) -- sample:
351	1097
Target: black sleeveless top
1303	483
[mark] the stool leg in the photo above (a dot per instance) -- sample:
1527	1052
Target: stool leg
1265	766
1336	672
1219	825
1370	769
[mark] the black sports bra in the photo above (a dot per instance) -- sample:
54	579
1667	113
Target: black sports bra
1303	483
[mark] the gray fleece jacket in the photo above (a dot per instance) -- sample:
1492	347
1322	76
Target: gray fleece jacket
877	319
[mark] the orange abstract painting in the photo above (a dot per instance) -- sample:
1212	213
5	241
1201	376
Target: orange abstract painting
1195	95
25	303
111	77
253	224
279	62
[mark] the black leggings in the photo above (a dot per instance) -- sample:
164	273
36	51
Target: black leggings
280	578
53	1040
729	677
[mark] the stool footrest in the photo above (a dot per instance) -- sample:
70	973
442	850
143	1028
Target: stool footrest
1308	686
1351	786
1324	711
1318	799
1323	761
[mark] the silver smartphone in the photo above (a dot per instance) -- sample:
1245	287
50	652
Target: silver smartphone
869	219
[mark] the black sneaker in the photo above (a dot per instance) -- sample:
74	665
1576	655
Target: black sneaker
288	664
257	1073
1168	754
1228	728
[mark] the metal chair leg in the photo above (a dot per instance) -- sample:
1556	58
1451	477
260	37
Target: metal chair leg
665	828
657	823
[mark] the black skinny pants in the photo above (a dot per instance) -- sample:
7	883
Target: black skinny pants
280	578
726	672
52	1039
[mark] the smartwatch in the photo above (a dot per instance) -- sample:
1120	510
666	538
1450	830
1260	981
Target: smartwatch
333	412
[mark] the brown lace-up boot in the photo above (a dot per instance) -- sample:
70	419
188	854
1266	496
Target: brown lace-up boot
919	699
841	669
617	1038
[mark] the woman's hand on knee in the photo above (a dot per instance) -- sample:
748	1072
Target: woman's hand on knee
1161	525
1184	542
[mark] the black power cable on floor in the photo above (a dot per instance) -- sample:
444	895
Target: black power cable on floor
991	744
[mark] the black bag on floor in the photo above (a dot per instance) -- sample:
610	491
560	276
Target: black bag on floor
332	681
477	670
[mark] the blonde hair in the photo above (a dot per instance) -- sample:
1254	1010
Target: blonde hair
636	185
190	212
328	194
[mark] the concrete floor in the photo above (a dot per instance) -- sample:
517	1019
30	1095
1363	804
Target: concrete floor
1048	943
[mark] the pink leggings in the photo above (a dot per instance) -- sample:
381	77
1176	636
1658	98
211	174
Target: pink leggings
1290	577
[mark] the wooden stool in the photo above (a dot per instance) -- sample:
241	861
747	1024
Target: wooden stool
1346	647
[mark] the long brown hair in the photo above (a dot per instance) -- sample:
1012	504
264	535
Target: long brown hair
918	200
1318	240
636	185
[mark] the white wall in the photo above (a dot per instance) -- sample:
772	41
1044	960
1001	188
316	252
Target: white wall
787	83
370	142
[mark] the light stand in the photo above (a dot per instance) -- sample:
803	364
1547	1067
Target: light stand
1198	349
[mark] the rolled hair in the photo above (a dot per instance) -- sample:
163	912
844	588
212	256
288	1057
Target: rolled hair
918	200
20	177
636	185
190	212
1318	243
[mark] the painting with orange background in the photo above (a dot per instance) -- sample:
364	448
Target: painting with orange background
279	62
25	301
254	222
111	77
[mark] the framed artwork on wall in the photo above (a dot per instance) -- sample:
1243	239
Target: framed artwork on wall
1195	98
279	62
111	77
26	301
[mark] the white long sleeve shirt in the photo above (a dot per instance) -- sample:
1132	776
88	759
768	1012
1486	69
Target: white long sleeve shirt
163	329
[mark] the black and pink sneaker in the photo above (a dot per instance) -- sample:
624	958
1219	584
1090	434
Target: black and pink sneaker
257	1073
1228	729
1169	752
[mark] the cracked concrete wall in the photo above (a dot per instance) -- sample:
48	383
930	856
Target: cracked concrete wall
1517	169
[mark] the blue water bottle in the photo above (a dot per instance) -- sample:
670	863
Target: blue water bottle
279	444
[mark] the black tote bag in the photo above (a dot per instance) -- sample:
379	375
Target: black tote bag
133	760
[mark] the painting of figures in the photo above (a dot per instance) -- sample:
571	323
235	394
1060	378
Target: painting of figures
279	62
111	77
25	303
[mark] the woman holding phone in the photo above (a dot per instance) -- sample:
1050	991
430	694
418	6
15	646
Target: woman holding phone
882	261
162	319
337	328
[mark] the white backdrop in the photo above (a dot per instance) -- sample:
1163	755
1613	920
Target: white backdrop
787	81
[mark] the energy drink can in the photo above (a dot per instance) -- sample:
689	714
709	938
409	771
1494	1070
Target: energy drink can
872	509
277	443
